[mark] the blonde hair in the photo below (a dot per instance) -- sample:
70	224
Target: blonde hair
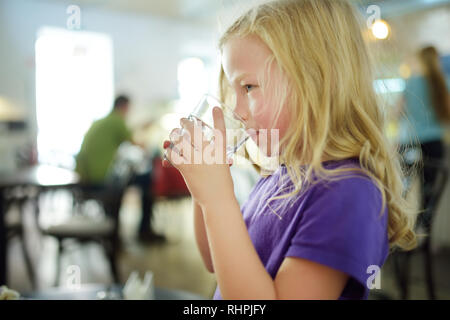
319	47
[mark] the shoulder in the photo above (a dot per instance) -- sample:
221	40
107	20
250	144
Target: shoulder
351	195
349	185
117	124
99	125
348	177
113	117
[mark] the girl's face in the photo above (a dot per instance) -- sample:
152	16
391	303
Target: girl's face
243	61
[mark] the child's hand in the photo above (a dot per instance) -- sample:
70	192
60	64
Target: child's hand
202	163
167	164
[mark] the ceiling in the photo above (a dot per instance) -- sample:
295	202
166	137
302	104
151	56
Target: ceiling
392	8
208	9
181	9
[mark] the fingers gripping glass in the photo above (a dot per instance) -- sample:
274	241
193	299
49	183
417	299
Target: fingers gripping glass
236	134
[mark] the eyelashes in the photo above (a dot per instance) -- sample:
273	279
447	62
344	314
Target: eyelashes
248	87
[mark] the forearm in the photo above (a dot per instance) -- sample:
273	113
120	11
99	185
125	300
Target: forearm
201	236
239	271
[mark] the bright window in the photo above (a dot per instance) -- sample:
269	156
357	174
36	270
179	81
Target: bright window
192	83
74	87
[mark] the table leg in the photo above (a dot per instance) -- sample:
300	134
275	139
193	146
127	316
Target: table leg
2	241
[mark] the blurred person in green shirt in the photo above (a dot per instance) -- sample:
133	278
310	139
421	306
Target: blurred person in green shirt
101	142
95	161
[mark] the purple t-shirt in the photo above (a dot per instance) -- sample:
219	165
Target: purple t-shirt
334	223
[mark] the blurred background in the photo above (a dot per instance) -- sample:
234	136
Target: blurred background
63	63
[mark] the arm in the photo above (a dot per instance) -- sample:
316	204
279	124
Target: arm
241	274
201	236
299	279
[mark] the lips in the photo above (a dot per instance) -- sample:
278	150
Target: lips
254	134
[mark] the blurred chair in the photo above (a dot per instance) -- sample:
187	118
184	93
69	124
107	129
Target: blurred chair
167	182
16	199
168	188
84	228
424	224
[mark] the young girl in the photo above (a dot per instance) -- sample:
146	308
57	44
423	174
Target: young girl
322	225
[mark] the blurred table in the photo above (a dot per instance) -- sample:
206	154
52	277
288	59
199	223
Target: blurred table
97	292
39	176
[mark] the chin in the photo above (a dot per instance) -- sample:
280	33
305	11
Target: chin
265	148
266	151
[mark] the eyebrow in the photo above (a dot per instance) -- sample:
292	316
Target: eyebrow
240	77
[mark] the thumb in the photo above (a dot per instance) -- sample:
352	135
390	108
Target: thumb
219	123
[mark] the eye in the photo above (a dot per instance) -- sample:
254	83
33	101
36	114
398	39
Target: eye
248	87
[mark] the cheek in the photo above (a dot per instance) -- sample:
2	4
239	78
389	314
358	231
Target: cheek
263	113
283	123
264	120
267	115
258	113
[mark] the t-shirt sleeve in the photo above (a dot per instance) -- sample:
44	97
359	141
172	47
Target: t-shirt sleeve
341	228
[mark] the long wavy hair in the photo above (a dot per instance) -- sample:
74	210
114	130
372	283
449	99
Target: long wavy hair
319	47
429	58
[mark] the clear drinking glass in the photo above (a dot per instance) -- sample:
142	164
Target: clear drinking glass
236	131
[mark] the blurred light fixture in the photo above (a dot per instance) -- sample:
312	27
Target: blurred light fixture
380	29
405	71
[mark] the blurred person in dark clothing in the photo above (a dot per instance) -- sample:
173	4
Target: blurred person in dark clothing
426	105
98	152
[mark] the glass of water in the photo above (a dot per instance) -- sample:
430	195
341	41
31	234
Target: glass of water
236	132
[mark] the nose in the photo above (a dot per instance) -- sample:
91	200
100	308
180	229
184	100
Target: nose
241	109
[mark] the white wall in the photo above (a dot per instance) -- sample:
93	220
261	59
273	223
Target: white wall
147	50
416	30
